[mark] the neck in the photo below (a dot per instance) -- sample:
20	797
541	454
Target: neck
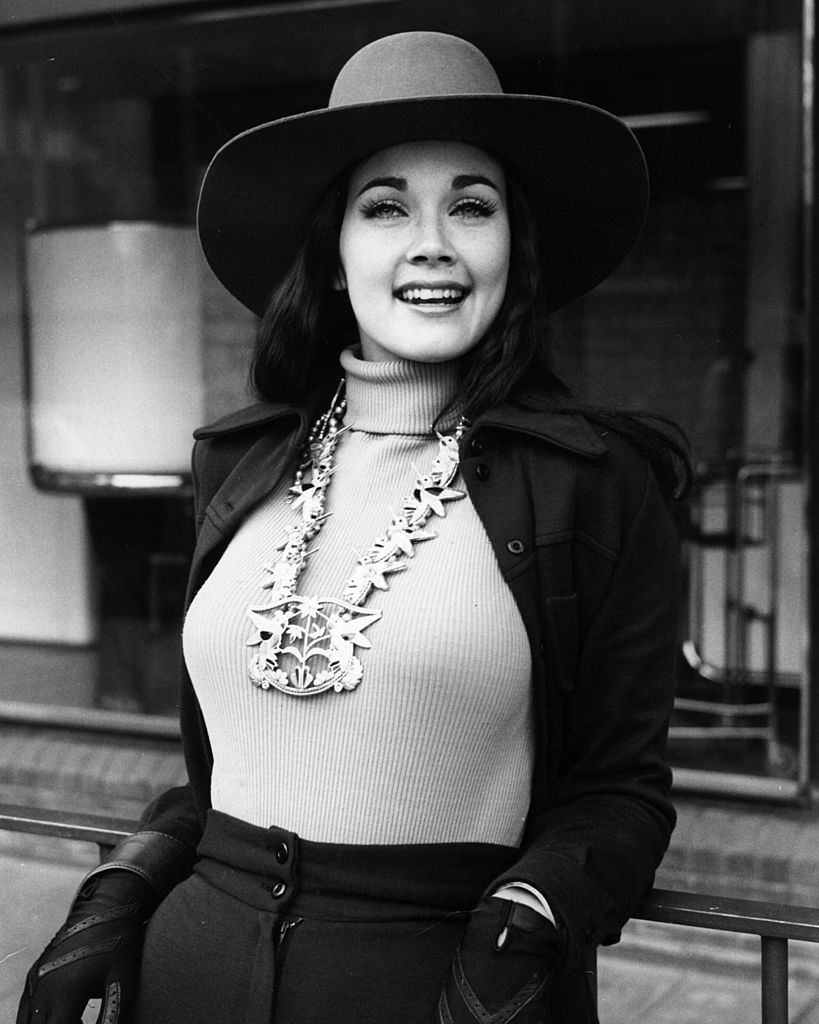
399	397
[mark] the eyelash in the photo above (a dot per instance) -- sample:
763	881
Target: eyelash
374	208
477	207
386	209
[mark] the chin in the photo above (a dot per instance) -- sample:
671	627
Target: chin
438	351
421	349
439	357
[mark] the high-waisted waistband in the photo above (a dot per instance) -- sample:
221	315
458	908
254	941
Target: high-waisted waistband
272	927
268	868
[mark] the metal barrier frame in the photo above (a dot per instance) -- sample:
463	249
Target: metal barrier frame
774	923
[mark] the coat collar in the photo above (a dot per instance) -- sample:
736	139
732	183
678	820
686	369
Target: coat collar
568	430
571	431
245	419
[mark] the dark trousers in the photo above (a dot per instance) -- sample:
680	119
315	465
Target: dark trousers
272	929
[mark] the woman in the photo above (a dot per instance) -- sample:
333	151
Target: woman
428	668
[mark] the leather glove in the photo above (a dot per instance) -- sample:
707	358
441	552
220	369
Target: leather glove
97	953
504	967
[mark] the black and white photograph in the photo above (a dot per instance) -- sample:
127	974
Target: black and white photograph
409	478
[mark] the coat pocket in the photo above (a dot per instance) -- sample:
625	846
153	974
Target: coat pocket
561	640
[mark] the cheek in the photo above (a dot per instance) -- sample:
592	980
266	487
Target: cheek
495	265
346	253
493	253
363	260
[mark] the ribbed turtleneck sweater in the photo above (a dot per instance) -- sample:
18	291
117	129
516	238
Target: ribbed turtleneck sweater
436	743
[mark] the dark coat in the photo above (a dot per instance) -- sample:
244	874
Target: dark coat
585	542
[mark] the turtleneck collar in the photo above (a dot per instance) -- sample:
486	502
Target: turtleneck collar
401	397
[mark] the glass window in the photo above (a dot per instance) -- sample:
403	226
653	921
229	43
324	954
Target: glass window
106	122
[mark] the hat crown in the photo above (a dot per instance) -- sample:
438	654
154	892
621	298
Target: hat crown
410	65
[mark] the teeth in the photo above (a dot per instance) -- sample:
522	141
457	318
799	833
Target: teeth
431	294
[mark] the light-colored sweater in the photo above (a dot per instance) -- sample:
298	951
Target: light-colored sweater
436	743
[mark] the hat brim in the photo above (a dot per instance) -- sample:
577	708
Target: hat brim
582	169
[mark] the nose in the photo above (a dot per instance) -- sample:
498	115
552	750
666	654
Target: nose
430	243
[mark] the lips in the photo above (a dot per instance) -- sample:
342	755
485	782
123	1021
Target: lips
448	294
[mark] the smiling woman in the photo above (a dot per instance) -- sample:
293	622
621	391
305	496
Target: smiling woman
427	808
424	250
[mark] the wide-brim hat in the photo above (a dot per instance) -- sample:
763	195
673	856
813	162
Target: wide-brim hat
581	167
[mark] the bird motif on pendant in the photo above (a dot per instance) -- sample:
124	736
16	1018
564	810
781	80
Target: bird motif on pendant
435	497
367	575
401	536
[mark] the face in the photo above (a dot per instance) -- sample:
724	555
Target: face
424	250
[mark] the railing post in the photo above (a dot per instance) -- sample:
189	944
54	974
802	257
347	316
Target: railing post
104	850
774	980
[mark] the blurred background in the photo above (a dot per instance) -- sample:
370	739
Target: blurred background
117	341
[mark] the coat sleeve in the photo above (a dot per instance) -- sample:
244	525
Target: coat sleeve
174	812
594	848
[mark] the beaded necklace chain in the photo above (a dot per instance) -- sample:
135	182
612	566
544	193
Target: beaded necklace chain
321	634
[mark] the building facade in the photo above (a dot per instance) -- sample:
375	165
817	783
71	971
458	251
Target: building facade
109	113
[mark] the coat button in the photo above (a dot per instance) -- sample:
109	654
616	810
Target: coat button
282	853
278	890
476	446
517	547
482	471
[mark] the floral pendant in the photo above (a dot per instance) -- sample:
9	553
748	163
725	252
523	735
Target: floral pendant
320	634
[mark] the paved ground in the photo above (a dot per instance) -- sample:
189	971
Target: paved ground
657	975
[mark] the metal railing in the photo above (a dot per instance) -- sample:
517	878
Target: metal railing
775	923
746	558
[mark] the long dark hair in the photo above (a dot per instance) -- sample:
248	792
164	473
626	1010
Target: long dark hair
308	322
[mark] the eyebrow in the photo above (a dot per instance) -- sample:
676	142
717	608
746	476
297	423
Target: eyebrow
400	184
465	180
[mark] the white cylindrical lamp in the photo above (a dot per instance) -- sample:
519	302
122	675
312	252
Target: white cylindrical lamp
114	355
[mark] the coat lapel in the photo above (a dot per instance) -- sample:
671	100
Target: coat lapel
566	430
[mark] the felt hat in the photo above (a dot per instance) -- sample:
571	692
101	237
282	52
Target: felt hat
582	169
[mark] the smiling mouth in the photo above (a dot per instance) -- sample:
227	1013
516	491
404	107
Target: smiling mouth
451	295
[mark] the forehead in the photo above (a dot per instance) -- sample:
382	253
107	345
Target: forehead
430	159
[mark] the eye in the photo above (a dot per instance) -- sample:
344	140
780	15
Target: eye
382	209
473	208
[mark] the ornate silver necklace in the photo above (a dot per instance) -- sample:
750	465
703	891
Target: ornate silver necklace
321	634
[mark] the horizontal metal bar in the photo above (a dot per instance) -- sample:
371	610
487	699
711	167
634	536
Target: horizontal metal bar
722	676
714	707
762	787
719	732
123	723
89	828
720	913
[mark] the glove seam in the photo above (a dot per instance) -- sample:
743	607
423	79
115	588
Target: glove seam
104	946
88	922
